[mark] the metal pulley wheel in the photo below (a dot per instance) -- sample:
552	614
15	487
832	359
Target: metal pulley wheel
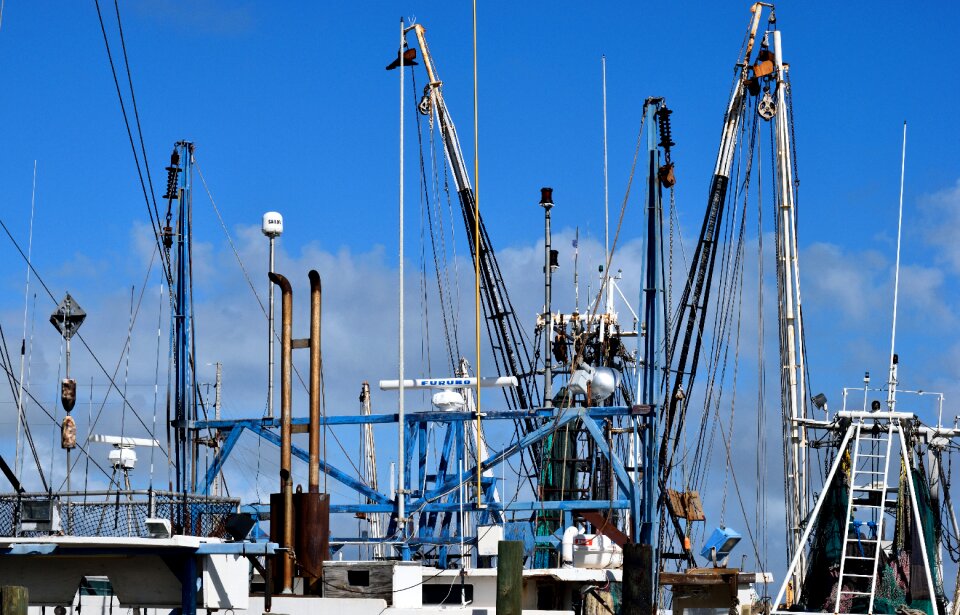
426	105
766	107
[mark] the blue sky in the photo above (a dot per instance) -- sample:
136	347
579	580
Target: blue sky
291	109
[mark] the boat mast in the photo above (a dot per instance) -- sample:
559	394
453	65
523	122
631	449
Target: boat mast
892	381
179	188
793	397
654	332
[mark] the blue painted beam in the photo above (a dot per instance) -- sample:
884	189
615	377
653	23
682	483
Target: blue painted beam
221	458
330	470
598	436
563	417
471	507
410	417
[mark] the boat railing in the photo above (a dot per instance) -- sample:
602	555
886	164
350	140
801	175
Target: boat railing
122	513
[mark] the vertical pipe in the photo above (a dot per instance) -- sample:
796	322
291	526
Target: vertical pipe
315	296
286	382
546	201
270	319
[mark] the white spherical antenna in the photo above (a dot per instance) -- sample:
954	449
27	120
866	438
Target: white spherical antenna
272	224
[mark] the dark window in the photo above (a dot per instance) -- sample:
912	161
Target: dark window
358	578
444	593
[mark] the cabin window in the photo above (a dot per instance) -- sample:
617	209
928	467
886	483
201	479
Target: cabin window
358	578
436	593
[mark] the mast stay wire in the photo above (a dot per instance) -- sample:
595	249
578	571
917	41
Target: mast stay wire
676	431
724	307
56	423
451	340
253	289
761	475
451	333
116	370
152	210
156	380
136	111
26	302
18	394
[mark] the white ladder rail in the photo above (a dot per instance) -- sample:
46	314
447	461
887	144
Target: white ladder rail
795	560
881	514
847	519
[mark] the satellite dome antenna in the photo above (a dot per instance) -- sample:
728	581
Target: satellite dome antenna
272	228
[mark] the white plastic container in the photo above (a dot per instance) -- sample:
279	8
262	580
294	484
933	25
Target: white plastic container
596	551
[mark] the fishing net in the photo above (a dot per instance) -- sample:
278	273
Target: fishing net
901	575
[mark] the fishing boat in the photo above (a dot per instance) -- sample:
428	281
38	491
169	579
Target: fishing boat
564	468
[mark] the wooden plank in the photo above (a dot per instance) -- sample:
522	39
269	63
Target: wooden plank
605	526
685	505
693	506
675	504
363	580
680	578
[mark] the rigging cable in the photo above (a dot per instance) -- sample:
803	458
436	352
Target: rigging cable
152	210
26	297
17	391
761	474
156	380
116	369
57	424
78	335
233	247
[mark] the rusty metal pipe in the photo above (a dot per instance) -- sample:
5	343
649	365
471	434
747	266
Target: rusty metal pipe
286	390
315	313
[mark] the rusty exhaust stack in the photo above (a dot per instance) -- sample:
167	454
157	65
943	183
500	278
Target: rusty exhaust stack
286	386
315	307
313	507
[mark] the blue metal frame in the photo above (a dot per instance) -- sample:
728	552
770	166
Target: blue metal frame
435	499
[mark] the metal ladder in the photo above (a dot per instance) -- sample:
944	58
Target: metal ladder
868	493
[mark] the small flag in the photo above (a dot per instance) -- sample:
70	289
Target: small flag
575	241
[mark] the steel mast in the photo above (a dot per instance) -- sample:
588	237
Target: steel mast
792	378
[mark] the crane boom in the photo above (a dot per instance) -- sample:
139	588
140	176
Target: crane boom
696	292
511	353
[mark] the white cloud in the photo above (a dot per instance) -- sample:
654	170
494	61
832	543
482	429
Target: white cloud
940	219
